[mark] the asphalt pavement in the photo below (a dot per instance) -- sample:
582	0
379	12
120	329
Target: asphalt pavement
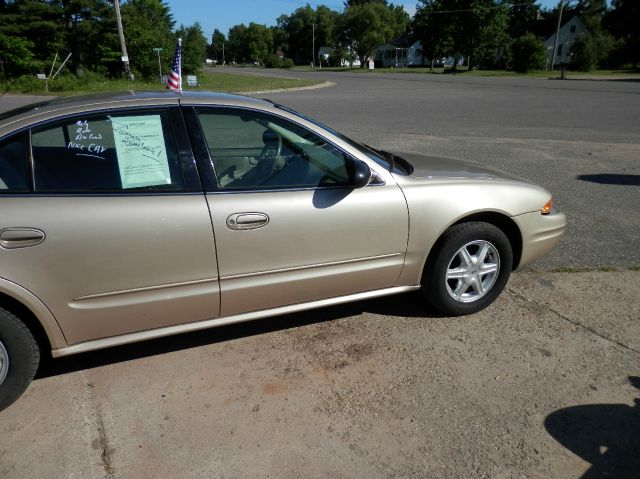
579	139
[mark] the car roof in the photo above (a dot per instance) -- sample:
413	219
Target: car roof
41	111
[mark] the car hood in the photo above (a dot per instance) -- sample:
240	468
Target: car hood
440	167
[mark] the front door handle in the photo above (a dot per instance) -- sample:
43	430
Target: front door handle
20	237
247	221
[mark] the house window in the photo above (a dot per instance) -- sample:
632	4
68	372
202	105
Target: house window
573	29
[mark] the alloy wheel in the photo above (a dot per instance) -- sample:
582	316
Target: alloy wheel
472	271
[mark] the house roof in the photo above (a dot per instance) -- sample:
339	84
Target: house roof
543	28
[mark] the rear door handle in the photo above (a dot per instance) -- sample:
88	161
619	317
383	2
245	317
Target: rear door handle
20	237
247	221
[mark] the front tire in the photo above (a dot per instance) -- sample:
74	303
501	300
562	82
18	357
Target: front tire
469	269
19	358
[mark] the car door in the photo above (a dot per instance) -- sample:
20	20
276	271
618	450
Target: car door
113	234
289	226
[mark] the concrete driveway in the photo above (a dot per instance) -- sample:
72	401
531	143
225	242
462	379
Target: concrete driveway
539	385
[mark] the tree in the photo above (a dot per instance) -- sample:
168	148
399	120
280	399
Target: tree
352	3
373	23
622	22
40	23
584	56
148	24
300	27
528	53
194	47
435	34
236	41
216	48
481	29
90	33
521	13
476	29
259	42
16	57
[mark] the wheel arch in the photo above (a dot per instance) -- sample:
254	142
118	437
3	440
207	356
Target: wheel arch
33	313
501	221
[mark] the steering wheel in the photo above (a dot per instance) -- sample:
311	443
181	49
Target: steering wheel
270	161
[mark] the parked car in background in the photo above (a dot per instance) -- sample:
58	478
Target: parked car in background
131	216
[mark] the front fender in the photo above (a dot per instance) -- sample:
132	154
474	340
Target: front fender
435	205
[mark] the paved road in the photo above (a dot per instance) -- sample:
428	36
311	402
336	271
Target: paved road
579	139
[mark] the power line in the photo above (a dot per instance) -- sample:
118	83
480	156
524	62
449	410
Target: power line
422	10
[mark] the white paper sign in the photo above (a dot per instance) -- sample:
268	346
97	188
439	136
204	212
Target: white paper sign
142	156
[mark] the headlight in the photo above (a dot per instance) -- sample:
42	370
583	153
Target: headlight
548	207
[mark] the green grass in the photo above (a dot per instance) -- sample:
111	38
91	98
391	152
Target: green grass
216	81
235	82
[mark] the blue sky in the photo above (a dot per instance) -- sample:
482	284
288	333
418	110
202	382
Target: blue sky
223	14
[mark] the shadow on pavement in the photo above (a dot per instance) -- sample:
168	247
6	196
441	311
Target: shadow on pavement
605	435
400	305
611	179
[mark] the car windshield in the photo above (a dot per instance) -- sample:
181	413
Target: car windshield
386	160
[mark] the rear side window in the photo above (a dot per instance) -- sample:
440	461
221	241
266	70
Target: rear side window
133	152
14	170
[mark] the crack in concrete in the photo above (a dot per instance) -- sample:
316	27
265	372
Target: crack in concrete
573	321
106	452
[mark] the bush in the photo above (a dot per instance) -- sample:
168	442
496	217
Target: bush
274	61
583	54
69	82
528	54
24	84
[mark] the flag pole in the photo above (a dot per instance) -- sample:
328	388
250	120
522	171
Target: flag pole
180	65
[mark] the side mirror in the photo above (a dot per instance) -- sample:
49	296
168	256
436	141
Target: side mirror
361	174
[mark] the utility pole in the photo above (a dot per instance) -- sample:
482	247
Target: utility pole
223	59
125	57
313	45
158	50
555	42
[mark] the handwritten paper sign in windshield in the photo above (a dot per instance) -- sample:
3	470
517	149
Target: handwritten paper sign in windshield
142	156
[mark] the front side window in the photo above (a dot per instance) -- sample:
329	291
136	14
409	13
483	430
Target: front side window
133	152
252	150
14	169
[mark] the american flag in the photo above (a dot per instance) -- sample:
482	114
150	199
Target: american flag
174	82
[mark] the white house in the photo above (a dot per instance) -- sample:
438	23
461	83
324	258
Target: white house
325	52
400	53
568	33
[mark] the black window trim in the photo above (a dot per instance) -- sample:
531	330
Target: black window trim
192	183
26	139
205	162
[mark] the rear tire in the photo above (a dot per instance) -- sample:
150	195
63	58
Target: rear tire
469	269
19	358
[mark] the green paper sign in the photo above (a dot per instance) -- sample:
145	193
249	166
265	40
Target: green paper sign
142	156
